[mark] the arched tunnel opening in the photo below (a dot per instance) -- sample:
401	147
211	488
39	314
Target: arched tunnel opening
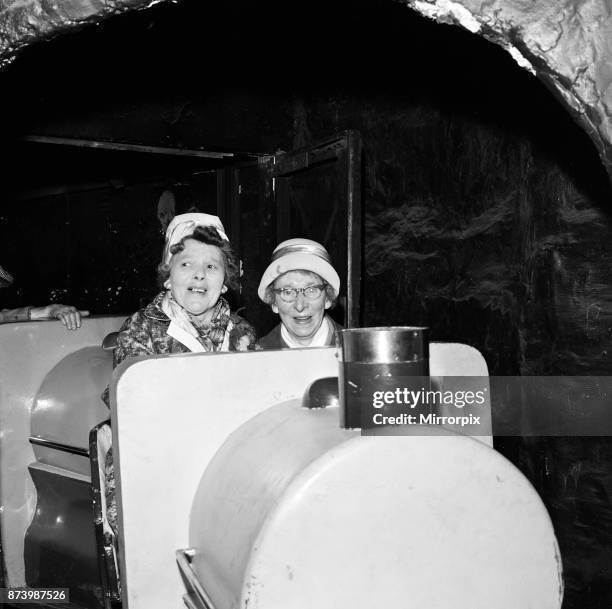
486	208
461	146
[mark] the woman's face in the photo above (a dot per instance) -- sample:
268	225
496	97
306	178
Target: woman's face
302	317
196	277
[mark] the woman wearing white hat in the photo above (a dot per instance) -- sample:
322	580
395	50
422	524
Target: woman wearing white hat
190	314
300	285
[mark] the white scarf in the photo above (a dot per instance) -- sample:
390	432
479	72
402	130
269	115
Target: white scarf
183	330
321	338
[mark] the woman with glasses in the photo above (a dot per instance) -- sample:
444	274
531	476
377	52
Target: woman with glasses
300	284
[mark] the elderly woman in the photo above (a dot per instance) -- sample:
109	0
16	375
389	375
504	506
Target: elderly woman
300	284
190	314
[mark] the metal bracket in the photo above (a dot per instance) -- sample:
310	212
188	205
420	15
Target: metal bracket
196	597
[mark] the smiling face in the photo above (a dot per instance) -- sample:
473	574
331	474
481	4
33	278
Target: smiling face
302	317
197	275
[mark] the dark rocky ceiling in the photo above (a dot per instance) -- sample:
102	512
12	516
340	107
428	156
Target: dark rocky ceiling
25	22
565	43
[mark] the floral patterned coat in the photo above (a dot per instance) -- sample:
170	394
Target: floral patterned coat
145	333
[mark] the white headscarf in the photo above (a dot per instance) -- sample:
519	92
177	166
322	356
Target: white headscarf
184	224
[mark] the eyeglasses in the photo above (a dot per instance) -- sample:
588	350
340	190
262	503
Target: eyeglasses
311	292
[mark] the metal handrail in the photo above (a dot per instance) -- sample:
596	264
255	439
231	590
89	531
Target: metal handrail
67	448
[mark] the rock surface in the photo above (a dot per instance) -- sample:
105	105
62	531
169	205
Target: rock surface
565	43
23	22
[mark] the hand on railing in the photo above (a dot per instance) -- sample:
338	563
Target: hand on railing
70	316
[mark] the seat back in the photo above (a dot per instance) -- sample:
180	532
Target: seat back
33	359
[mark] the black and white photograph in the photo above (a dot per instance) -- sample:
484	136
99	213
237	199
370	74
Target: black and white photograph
306	305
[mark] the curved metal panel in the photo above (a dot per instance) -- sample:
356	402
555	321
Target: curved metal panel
59	547
29	352
68	403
